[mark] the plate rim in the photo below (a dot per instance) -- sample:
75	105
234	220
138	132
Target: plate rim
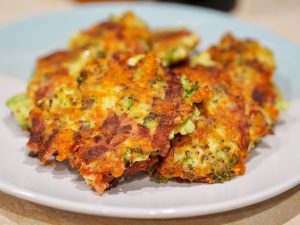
138	213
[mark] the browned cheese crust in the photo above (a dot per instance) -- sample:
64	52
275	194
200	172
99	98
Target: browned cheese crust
115	115
250	68
217	149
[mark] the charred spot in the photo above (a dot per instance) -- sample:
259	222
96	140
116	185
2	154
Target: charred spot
34	140
174	92
116	56
112	130
87	103
36	133
45	150
204	146
165	121
174	88
125	129
143	131
97	138
259	96
76	137
111	124
173	79
202	180
93	153
160	140
259	67
127	164
42	92
156	101
107	177
36	123
244	141
51	138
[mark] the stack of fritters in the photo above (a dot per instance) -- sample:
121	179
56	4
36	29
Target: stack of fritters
124	99
242	108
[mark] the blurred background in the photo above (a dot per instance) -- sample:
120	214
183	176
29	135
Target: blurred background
279	16
224	5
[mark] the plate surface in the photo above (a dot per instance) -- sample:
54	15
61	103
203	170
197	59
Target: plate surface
274	166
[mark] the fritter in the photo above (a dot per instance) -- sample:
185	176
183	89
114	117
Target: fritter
127	32
217	149
242	109
250	68
113	115
143	105
124	32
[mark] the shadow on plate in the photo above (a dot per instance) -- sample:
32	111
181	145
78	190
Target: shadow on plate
128	183
266	148
11	124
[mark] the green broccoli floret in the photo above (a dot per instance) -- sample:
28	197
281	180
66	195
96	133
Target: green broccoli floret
20	105
189	87
187	127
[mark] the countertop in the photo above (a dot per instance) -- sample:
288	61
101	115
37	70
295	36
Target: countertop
281	17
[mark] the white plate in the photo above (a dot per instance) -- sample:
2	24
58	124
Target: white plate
273	167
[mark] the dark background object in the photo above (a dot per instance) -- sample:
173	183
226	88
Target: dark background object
223	5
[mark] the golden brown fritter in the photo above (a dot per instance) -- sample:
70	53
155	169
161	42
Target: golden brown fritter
127	32
241	110
250	68
117	115
123	32
217	149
